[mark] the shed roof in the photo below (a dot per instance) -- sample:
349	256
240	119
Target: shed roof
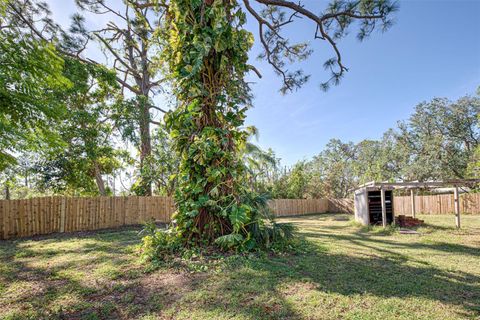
420	184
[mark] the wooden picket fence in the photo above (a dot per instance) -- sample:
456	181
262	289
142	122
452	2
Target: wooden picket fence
28	217
292	207
36	216
437	204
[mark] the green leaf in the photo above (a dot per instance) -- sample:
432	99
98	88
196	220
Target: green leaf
238	217
229	241
192	213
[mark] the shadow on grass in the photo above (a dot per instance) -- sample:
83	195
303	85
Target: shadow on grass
260	288
96	279
371	236
251	287
373	241
434	227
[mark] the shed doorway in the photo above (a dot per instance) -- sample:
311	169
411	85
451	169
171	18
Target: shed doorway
375	207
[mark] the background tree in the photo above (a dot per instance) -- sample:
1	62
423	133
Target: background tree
379	160
163	163
88	152
474	165
131	37
298	181
335	168
261	165
440	138
30	73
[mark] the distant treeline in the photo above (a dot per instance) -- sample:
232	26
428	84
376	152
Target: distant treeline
440	140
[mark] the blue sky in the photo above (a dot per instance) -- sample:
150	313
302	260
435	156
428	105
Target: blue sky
433	50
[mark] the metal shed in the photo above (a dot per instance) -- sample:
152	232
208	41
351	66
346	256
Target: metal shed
374	200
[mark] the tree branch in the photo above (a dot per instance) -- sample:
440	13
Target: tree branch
250	67
158	108
117	56
277	48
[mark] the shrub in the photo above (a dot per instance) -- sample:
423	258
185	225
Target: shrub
254	229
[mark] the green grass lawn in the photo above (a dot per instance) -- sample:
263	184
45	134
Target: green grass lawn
347	272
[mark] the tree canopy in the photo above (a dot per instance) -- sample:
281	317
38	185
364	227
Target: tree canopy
30	74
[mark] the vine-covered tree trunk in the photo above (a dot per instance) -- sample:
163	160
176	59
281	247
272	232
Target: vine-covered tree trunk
208	60
207	56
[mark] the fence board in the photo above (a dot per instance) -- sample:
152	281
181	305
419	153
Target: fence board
292	207
28	217
438	204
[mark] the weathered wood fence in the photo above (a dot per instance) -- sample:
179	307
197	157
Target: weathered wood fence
28	217
290	207
437	204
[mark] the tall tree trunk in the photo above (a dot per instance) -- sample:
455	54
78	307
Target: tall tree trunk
145	150
99	180
7	191
143	83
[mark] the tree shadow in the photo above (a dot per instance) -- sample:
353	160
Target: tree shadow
363	236
434	227
71	288
380	271
377	243
252	287
243	291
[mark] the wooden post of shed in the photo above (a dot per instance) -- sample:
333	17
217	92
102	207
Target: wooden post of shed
384	208
412	198
457	206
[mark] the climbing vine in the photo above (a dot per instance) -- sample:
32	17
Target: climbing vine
206	53
207	58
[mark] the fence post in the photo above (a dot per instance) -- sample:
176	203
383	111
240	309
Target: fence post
384	208
412	196
457	207
62	215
